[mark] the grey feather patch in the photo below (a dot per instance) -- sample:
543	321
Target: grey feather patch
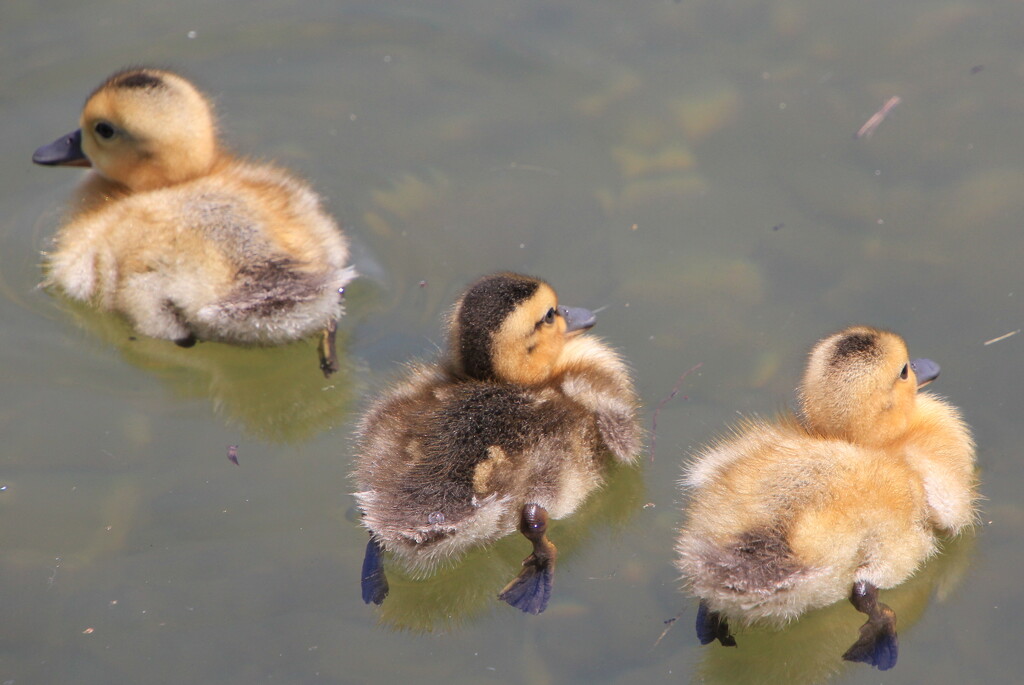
758	562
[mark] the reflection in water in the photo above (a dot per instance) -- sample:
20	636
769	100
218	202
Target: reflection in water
275	393
810	649
457	594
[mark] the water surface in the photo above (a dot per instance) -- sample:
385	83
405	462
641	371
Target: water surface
689	166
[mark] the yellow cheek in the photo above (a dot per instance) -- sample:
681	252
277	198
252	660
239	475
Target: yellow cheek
549	344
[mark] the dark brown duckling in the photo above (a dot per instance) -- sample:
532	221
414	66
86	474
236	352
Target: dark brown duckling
511	428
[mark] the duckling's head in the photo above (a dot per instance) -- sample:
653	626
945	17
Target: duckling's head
143	128
509	327
860	385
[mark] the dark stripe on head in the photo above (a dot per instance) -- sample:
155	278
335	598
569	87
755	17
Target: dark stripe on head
863	345
133	77
137	79
484	307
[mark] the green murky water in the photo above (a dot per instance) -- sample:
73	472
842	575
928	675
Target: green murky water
687	165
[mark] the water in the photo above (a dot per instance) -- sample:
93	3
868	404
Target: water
689	166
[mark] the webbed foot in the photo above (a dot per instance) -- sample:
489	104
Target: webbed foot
188	341
374	582
531	589
327	350
877	644
712	626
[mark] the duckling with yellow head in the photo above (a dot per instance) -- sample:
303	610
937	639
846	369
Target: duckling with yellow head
512	427
845	498
186	240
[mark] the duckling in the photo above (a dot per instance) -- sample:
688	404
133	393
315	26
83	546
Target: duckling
841	500
509	429
186	240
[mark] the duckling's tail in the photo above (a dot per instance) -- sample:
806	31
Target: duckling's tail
748	576
276	302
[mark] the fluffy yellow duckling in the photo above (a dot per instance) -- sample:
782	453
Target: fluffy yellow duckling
186	240
842	500
509	429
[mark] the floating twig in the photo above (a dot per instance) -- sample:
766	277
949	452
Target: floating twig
877	118
668	626
1002	337
657	410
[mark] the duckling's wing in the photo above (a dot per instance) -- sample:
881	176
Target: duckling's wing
597	378
475	423
619	432
442	452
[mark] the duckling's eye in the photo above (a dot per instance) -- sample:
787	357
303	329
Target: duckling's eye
549	318
104	130
905	372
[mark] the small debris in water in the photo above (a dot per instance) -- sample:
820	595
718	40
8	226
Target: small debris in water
1002	337
233	454
668	626
654	420
877	118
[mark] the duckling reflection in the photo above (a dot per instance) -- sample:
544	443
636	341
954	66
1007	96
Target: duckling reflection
272	393
844	500
459	592
509	430
186	241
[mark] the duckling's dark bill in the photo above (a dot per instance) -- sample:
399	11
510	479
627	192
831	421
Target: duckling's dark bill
65	151
926	371
577	318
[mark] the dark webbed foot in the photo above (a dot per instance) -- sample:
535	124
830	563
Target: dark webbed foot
712	626
187	341
327	350
531	589
877	644
374	582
